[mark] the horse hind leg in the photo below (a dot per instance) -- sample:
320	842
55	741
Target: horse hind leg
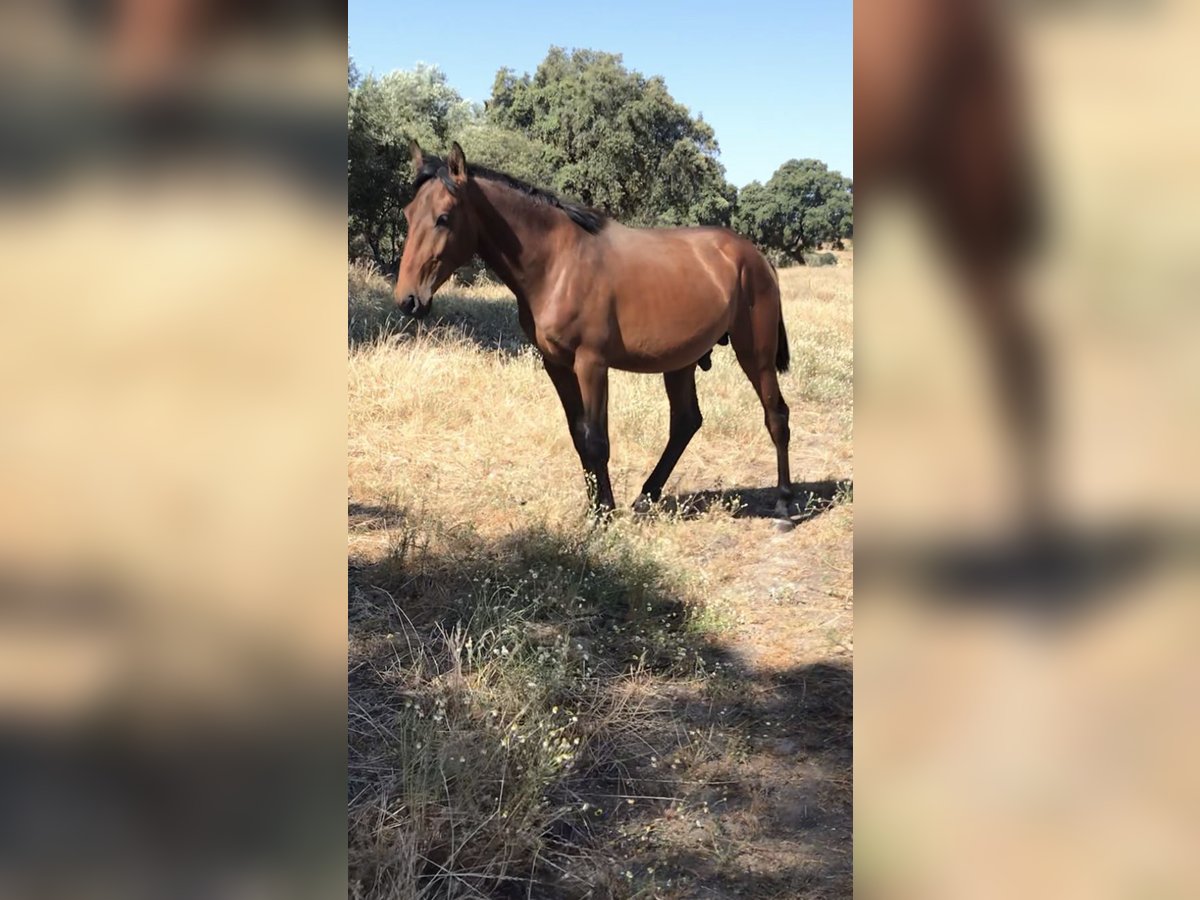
685	422
1018	365
755	348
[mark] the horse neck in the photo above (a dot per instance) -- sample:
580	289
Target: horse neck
518	238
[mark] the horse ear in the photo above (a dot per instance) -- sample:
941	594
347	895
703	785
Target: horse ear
457	163
418	158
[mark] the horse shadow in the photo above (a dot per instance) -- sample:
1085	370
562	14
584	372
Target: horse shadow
1052	575
811	499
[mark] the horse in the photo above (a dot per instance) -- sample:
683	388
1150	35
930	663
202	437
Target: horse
593	295
937	109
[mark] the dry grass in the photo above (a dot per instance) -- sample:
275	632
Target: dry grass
540	708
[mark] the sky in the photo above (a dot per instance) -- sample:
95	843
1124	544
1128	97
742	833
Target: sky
772	78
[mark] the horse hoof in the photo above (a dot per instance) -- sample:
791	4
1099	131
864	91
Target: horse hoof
643	506
784	525
601	515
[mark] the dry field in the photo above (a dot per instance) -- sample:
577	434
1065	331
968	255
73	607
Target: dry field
660	708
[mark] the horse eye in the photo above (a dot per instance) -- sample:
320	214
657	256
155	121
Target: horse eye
443	221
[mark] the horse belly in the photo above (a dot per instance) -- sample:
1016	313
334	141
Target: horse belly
672	298
675	338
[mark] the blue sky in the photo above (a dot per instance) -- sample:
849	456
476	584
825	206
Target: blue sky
772	78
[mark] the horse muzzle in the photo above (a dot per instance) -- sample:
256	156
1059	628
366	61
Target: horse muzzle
411	306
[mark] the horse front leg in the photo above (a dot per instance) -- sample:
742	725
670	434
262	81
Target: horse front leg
565	383
592	431
585	433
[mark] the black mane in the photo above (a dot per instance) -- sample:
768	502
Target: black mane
590	220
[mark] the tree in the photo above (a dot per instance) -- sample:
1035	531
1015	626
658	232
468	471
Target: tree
384	114
801	206
488	144
615	139
586	126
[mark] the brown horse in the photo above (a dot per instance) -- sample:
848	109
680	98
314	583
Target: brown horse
593	295
937	108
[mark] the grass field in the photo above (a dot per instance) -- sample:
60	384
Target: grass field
540	708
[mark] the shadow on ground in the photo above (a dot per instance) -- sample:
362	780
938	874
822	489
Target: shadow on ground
772	818
811	499
489	324
717	780
1055	575
361	517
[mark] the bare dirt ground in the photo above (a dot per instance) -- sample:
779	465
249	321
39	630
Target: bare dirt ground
713	758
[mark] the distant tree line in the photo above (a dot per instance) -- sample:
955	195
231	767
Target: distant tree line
590	129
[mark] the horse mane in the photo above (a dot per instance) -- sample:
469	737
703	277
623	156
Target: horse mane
589	219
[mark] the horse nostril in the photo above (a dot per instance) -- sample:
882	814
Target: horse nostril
408	304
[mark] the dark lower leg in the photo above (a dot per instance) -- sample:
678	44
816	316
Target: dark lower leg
685	422
755	342
776	416
777	425
595	466
567	387
1018	364
593	432
1022	387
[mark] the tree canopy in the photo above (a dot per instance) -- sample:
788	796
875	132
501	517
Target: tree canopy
616	139
587	127
384	114
804	204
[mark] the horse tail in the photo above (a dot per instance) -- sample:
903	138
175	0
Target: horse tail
782	357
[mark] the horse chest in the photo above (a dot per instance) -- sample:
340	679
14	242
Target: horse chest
554	347
552	331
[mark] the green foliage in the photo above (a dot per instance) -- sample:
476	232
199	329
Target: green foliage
803	205
488	144
820	259
586	126
616	139
384	114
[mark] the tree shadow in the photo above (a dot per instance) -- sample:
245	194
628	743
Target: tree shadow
812	498
764	761
777	816
362	517
489	324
